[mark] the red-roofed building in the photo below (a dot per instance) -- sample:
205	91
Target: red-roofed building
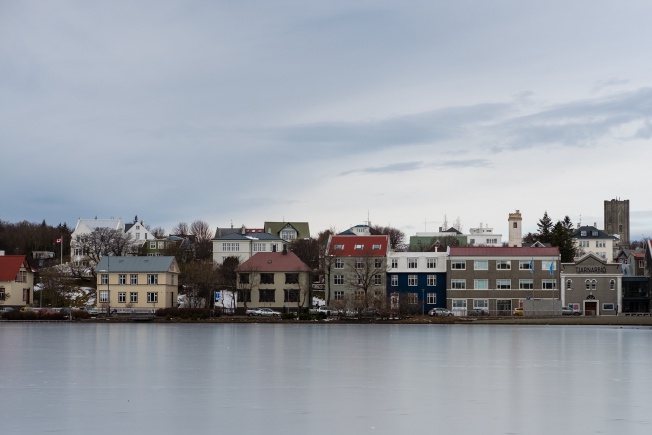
356	268
495	280
277	280
16	281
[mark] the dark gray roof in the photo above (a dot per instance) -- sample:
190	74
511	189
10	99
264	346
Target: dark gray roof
135	264
591	233
250	236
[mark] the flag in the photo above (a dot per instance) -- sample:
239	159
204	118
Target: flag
531	266
552	264
57	241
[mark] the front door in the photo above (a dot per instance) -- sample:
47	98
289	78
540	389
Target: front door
590	308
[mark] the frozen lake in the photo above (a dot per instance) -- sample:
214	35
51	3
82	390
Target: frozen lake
324	379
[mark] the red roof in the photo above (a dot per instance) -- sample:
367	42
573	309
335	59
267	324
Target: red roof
274	262
358	246
502	251
10	265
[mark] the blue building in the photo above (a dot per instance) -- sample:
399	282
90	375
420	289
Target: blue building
416	281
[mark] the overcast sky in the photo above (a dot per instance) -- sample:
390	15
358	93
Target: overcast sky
402	112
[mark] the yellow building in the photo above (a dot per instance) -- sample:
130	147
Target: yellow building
16	281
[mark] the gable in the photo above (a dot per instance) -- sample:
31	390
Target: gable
10	266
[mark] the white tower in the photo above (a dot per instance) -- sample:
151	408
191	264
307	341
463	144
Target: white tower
515	229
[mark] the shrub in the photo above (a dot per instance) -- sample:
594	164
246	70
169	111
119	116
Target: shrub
187	313
288	316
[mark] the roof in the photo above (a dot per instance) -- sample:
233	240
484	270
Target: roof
358	246
136	264
302	228
10	265
249	236
591	233
274	262
502	251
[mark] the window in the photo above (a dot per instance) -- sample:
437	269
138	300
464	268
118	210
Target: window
431	280
594	233
607	306
378	263
104	279
244	295
413	263
612	284
339	263
431	263
230	246
104	296
492	241
338	279
525	284
481	284
358	295
152	279
588	284
431	298
359	263
2	294
267	295
458	264
549	284
458	284
122	297
244	278
480	265
458	304
503	284
259	247
152	297
481	304
290	295
641	264
137	236
267	278
394	263
288	234
133	297
503	265
546	265
161	245
600	244
292	278
22	276
339	247
358	247
412	280
376	246
584	244
378	279
413	298
569	284
152	245
122	279
394	280
593	284
133	278
339	295
582	233
525	265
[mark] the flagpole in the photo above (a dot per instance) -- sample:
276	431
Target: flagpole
61	247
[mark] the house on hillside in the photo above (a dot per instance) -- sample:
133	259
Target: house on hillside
288	231
277	280
590	239
16	281
433	241
78	238
244	244
137	282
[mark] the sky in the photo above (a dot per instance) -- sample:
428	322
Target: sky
401	113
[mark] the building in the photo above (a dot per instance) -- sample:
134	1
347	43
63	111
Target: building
484	236
79	237
515	223
432	241
498	279
592	285
288	231
356	269
590	239
137	282
16	281
616	219
244	244
416	281
277	280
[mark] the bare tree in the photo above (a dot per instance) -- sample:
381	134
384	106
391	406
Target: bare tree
396	237
56	287
181	229
203	235
199	283
248	280
366	272
227	276
100	242
158	232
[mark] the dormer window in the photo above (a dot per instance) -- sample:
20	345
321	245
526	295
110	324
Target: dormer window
359	246
376	246
594	233
583	233
339	247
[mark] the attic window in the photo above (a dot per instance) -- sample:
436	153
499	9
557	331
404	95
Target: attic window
359	246
594	233
339	246
376	247
583	233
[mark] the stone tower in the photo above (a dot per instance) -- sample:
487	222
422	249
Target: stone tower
616	219
515	229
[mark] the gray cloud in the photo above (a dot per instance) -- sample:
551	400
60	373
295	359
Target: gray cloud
413	166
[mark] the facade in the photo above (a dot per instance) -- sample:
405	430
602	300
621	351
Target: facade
498	279
592	285
139	234
288	231
356	271
589	239
16	281
278	280
245	244
83	228
137	282
616	219
484	236
515	223
417	279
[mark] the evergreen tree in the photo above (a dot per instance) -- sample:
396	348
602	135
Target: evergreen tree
545	228
561	237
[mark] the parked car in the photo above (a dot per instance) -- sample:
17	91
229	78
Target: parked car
518	311
440	312
478	312
329	311
4	310
267	312
252	311
569	311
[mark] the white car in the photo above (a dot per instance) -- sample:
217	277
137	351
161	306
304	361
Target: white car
267	312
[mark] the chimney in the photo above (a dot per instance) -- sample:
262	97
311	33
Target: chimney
285	249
